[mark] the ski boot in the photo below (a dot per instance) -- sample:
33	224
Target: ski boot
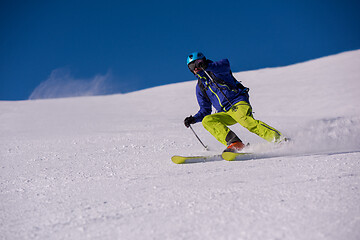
234	143
235	147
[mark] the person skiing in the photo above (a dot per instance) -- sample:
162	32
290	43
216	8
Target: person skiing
217	87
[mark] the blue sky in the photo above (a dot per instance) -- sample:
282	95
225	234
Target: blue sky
131	45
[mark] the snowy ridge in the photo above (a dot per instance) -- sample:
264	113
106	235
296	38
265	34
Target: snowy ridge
99	167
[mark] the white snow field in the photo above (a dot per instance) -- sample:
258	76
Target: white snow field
99	167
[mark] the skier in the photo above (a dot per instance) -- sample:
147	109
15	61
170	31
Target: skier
217	87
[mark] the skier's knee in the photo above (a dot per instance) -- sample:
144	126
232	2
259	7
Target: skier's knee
247	122
206	120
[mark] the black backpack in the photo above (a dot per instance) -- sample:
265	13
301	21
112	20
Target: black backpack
238	86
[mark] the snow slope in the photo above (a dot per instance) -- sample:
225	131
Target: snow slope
99	167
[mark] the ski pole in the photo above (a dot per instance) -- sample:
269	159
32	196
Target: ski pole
217	87
206	148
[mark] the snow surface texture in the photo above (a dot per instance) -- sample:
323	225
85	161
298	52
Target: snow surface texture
100	168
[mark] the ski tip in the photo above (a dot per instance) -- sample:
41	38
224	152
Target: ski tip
178	159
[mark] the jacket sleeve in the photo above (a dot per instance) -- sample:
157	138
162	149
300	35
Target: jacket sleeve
204	103
222	66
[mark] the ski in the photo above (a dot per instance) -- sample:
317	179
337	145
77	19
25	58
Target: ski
228	156
193	159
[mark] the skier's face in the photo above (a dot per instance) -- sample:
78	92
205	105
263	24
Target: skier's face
196	70
193	68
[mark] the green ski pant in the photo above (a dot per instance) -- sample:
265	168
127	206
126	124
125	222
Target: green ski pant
241	113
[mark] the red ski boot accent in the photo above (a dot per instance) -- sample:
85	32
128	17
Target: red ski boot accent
235	147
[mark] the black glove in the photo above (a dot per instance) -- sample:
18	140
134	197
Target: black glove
189	120
201	64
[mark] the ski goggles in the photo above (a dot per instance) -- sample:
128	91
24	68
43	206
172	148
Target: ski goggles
191	66
193	63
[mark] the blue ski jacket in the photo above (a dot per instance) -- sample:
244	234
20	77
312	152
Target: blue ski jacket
220	70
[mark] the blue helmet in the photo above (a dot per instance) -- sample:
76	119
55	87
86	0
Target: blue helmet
195	56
